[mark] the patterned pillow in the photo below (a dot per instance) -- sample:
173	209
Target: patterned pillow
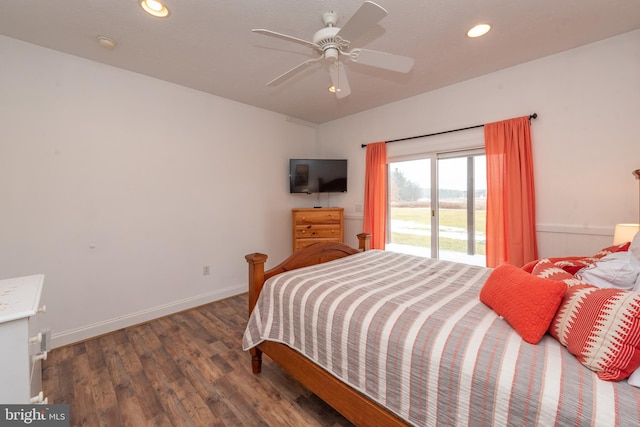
527	302
549	270
601	327
572	266
612	249
574	263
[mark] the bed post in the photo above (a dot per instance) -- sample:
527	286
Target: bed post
256	280
364	241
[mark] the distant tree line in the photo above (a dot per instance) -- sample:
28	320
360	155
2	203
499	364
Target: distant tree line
402	189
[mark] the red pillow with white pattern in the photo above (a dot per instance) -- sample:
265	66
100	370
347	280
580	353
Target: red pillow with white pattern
612	249
574	263
549	270
601	327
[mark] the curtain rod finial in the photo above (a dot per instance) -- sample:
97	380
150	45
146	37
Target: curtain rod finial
533	116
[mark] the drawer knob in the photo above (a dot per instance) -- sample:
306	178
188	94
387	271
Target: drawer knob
36	339
39	398
41	356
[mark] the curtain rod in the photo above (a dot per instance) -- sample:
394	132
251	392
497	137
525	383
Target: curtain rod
531	116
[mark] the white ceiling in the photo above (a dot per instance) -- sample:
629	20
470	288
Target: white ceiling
208	44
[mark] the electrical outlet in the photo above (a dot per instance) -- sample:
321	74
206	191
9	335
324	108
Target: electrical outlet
206	270
358	208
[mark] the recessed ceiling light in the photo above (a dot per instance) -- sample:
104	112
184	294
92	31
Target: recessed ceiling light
155	8
106	42
479	30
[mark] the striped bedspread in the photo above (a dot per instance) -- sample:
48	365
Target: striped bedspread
411	334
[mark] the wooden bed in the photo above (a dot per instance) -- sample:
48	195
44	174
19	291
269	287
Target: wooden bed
352	404
394	339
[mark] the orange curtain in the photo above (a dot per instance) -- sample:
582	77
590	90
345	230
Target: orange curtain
375	194
511	218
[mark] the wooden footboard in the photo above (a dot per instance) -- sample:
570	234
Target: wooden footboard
350	403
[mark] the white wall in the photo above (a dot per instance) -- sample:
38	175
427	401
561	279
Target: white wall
121	188
585	141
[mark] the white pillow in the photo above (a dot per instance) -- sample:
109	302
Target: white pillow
618	270
634	378
634	248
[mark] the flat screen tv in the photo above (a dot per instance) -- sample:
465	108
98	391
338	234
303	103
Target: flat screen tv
317	175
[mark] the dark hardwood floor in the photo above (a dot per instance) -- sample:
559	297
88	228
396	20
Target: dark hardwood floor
186	369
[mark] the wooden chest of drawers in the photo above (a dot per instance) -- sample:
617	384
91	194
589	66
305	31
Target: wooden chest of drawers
317	225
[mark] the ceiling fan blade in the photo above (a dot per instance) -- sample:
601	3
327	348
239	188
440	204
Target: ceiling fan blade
368	15
286	37
388	61
292	72
339	80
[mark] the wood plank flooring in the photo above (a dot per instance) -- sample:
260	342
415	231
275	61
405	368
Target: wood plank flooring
186	369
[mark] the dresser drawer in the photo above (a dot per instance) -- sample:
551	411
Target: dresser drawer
319	230
301	243
318	217
36	355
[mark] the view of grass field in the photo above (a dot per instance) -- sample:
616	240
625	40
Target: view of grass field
411	190
412	226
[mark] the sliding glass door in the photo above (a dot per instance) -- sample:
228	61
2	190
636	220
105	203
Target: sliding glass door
437	206
461	213
410	209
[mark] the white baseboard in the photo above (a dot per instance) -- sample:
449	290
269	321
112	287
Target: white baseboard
100	328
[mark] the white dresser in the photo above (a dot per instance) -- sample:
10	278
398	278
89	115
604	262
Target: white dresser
21	343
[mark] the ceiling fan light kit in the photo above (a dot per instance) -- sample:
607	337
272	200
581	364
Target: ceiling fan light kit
332	42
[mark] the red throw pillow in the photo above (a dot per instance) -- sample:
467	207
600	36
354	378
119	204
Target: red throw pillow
601	327
527	302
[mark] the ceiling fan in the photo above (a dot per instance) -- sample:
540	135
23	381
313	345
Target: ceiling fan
332	42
